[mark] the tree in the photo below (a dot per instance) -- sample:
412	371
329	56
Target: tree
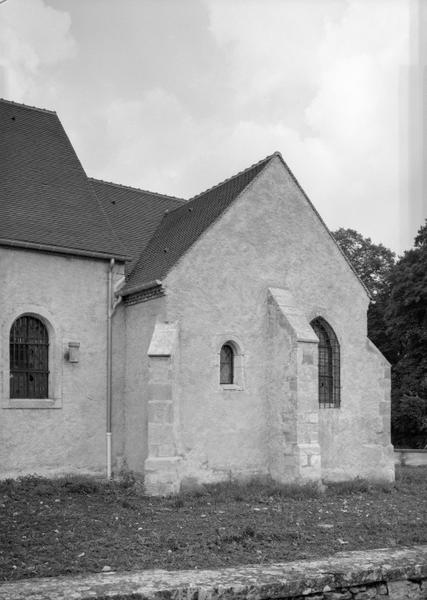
374	264
406	318
397	324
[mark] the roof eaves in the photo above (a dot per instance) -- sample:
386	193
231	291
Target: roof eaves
136	189
139	288
267	159
62	249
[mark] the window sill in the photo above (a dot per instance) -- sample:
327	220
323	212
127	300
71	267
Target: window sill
231	387
32	403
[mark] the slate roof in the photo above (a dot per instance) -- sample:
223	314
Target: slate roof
180	228
46	200
133	213
48	203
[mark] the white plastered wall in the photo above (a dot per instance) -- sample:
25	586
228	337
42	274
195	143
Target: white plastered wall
66	432
270	237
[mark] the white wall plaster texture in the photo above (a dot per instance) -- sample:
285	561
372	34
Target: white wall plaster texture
271	237
140	323
70	295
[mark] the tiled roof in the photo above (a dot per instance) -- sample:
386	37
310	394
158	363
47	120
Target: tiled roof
133	213
180	228
46	200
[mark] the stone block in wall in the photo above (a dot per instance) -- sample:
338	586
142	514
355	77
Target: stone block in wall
406	590
160	412
162	475
365	593
309	461
161	450
313	417
338	595
160	433
160	390
384	407
160	369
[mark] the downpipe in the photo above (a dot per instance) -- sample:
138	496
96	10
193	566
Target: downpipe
111	307
108	434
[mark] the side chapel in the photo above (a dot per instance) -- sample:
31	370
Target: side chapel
187	341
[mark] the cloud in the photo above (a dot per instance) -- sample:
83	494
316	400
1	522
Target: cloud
320	80
317	81
33	38
175	97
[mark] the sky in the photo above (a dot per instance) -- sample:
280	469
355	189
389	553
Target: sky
174	96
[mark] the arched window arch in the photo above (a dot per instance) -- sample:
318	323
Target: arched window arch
29	358
226	376
329	364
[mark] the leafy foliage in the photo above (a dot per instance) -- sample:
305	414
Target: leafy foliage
397	324
406	319
409	421
374	264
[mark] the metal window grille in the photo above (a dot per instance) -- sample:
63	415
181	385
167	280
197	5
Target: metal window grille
226	365
29	358
329	364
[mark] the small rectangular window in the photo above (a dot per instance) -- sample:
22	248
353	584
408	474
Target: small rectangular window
227	365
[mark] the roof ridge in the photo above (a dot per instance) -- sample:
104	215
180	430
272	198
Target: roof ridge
22	105
235	175
181	211
131	187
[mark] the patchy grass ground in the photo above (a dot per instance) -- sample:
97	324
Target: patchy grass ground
80	525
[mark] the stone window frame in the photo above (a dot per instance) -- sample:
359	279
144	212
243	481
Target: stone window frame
29	337
238	363
55	362
336	361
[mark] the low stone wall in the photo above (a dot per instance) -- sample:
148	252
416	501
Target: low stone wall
386	574
410	457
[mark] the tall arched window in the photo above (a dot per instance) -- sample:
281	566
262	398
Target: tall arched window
329	364
227	364
29	358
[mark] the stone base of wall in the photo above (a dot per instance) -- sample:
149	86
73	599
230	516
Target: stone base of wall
162	476
410	457
387	574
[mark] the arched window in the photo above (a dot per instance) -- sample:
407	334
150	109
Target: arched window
29	358
329	364
226	375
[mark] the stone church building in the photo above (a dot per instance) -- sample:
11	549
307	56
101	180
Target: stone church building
224	336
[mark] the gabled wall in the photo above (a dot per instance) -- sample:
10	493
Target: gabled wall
269	237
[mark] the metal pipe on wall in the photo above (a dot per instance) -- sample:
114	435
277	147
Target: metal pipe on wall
109	364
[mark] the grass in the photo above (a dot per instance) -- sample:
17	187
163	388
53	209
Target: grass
77	525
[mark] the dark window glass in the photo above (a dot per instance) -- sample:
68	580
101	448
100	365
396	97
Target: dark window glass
226	364
29	358
329	364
